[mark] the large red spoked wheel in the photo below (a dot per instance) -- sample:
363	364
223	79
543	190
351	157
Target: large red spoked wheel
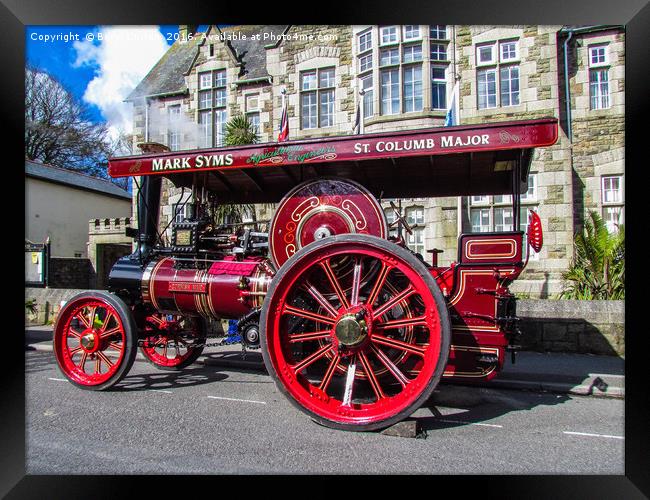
355	332
173	342
95	340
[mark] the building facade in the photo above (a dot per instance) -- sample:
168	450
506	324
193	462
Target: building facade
58	206
410	77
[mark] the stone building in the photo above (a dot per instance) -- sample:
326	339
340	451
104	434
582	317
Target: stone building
58	205
409	77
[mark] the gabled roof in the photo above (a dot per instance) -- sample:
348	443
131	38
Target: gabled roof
167	77
74	179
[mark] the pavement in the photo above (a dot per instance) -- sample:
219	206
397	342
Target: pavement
562	373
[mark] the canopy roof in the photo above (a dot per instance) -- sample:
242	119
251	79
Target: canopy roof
443	161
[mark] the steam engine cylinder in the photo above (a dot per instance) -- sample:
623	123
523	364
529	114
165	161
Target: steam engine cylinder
226	289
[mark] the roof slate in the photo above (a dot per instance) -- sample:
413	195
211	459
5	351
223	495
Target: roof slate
167	76
74	179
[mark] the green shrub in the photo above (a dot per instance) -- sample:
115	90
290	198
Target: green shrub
30	306
597	270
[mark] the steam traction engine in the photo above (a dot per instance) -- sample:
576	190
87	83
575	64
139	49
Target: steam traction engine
355	329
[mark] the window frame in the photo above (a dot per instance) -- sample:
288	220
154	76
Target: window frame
498	65
215	108
397	35
318	91
411	39
173	131
601	99
594	47
360	36
516	57
493	59
438	30
436	83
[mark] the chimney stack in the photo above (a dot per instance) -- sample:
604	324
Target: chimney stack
185	30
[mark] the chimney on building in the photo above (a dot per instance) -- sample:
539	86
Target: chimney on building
185	31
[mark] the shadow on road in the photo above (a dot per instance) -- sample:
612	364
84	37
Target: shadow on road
39	361
161	380
454	405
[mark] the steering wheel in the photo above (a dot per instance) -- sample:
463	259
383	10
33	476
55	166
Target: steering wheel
400	218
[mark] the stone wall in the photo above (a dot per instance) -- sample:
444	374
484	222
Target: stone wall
582	326
48	302
69	273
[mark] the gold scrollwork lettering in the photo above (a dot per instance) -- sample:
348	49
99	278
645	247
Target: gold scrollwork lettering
304	207
356	213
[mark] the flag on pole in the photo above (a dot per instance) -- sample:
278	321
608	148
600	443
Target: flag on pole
357	120
452	111
284	120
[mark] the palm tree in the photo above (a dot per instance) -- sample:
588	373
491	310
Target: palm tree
239	131
598	268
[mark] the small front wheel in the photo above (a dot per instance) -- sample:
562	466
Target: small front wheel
95	340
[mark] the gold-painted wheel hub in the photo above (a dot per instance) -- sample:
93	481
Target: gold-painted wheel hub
349	331
88	341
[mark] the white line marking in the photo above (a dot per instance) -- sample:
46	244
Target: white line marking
593	435
57	379
468	423
241	400
160	390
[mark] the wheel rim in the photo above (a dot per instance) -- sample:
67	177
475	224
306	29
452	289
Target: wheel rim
164	343
353	361
90	341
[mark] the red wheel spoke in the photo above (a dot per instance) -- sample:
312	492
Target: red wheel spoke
307	314
115	346
82	362
165	349
401	378
107	319
327	378
98	365
372	378
311	289
74	332
110	332
335	283
388	305
402	323
74	351
419	350
310	359
304	337
105	359
83	319
155	319
349	381
379	284
93	311
356	282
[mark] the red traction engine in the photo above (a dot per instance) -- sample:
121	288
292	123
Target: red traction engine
356	329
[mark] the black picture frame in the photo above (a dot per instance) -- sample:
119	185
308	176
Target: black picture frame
15	15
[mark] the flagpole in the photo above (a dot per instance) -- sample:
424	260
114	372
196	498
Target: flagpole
363	110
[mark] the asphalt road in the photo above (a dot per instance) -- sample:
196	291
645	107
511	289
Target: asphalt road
212	420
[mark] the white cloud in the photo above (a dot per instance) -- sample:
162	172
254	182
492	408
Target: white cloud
123	57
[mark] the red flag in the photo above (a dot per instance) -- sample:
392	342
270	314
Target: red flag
284	122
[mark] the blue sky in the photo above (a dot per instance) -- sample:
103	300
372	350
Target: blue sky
101	73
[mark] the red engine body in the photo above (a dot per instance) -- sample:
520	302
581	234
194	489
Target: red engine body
228	288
